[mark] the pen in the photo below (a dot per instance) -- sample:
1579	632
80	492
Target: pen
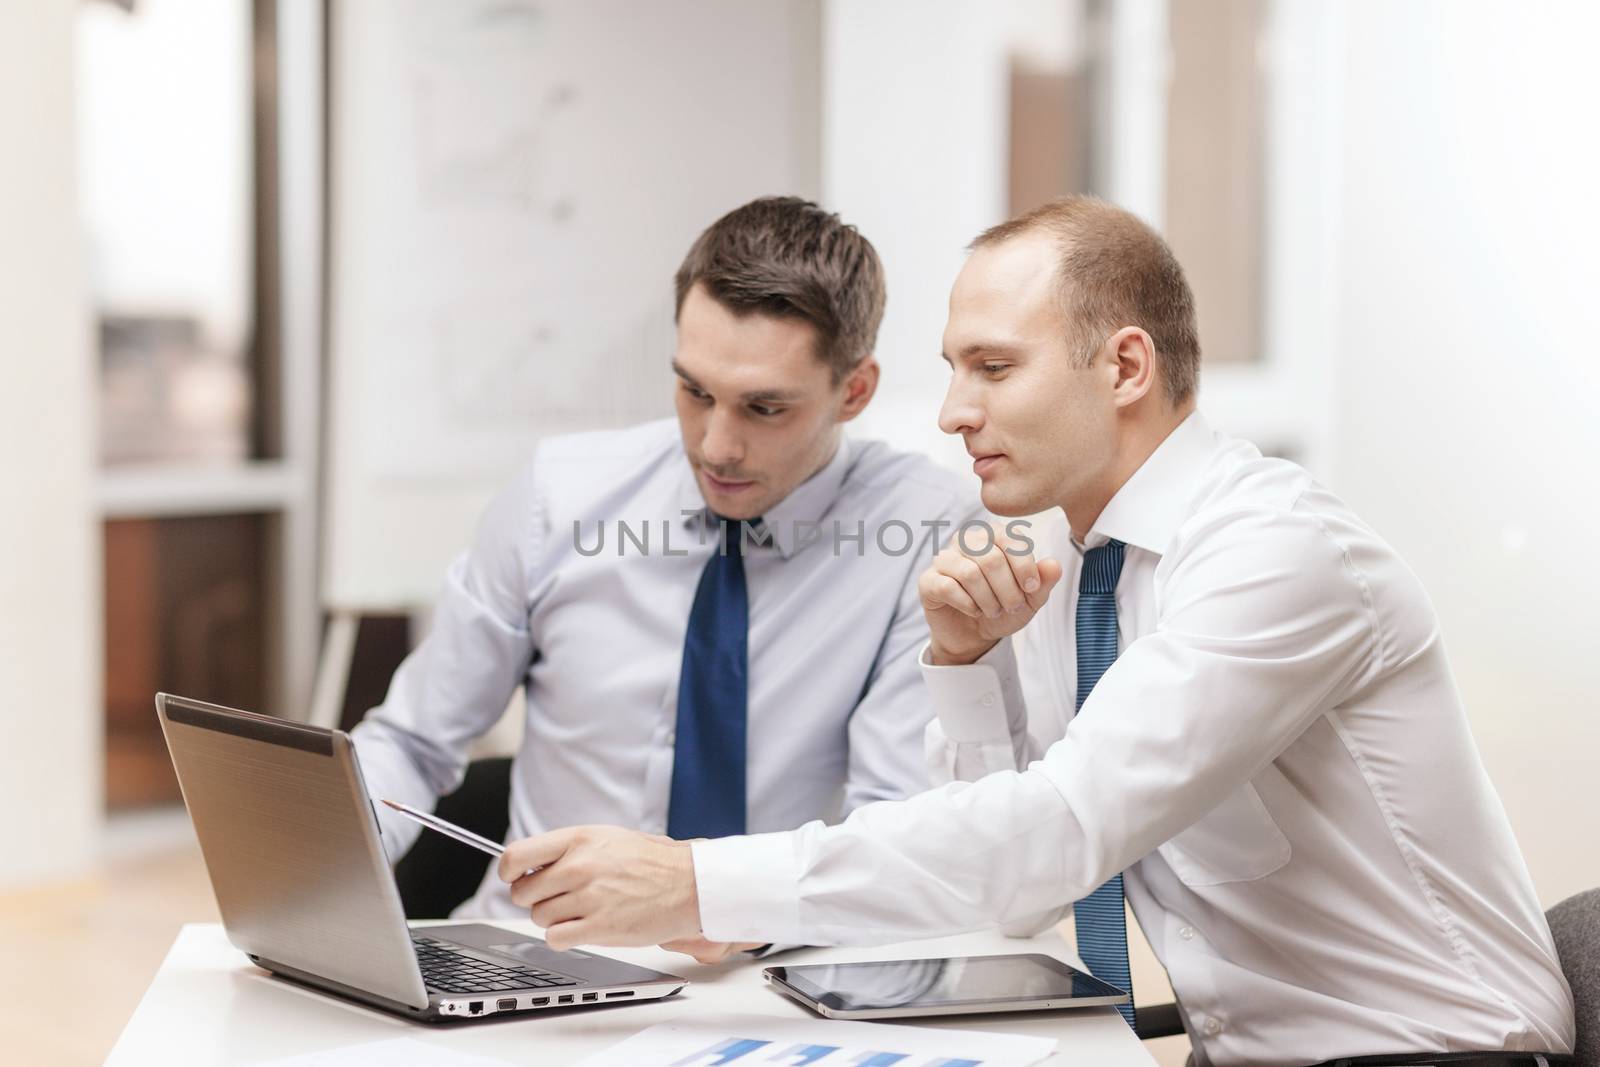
449	829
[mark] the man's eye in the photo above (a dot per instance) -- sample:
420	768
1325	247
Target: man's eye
764	411
994	368
698	394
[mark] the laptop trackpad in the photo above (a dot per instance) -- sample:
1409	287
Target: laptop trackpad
535	953
538	954
597	969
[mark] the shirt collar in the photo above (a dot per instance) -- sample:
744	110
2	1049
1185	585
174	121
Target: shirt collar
807	502
1147	511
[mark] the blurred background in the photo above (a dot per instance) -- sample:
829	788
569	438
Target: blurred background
288	287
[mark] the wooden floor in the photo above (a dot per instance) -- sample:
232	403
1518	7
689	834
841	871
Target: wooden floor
79	955
103	939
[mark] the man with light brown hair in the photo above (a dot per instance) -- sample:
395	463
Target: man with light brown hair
1237	716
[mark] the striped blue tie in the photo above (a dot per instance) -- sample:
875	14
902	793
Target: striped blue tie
1102	924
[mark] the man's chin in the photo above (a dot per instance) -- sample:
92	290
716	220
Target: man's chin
1010	501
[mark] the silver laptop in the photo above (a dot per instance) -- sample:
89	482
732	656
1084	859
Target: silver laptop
292	844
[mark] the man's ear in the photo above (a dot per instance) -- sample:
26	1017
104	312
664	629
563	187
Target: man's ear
1133	354
859	385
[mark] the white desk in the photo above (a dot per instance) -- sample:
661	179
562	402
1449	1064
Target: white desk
209	1004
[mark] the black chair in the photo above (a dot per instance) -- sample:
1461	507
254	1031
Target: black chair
439	873
1157	1020
1575	925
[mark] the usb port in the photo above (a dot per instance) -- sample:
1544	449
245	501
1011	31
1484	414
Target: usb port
619	993
564	1000
587	997
506	1003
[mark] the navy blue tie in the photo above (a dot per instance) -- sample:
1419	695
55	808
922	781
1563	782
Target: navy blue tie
708	781
1102	924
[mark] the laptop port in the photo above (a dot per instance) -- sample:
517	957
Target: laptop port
475	1007
619	993
587	997
539	1002
564	1000
506	1003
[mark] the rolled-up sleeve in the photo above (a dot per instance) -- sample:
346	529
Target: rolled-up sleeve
1263	626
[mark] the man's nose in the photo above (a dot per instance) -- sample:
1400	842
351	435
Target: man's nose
959	413
722	446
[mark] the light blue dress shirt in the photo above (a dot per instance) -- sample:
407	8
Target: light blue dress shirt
553	595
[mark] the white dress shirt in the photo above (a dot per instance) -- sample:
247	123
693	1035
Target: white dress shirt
836	705
1278	760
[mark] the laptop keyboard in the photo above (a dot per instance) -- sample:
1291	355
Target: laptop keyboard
446	970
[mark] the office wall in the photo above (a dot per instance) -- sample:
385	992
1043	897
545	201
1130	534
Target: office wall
1468	366
50	782
512	188
914	154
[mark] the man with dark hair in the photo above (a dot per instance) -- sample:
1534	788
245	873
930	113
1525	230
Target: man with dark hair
790	258
1237	717
715	618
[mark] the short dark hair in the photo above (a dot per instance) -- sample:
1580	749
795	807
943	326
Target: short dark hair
1115	271
784	256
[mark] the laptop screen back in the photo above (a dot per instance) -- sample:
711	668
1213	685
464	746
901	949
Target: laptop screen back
291	844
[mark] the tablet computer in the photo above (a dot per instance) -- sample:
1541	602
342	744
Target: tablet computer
955	985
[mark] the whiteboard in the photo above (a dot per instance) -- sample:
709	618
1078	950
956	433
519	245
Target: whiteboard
512	185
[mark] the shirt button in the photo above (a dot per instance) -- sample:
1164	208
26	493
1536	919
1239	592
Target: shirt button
1187	933
987	700
672	738
1213	1028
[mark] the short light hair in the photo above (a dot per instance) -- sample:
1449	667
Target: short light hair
787	257
1114	272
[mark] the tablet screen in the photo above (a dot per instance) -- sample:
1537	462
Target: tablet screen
943	983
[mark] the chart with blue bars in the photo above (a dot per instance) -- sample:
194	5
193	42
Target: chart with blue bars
749	1052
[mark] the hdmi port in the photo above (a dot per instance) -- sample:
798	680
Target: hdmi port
539	1002
623	993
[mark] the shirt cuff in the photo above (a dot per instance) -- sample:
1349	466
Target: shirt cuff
971	701
749	888
771	949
